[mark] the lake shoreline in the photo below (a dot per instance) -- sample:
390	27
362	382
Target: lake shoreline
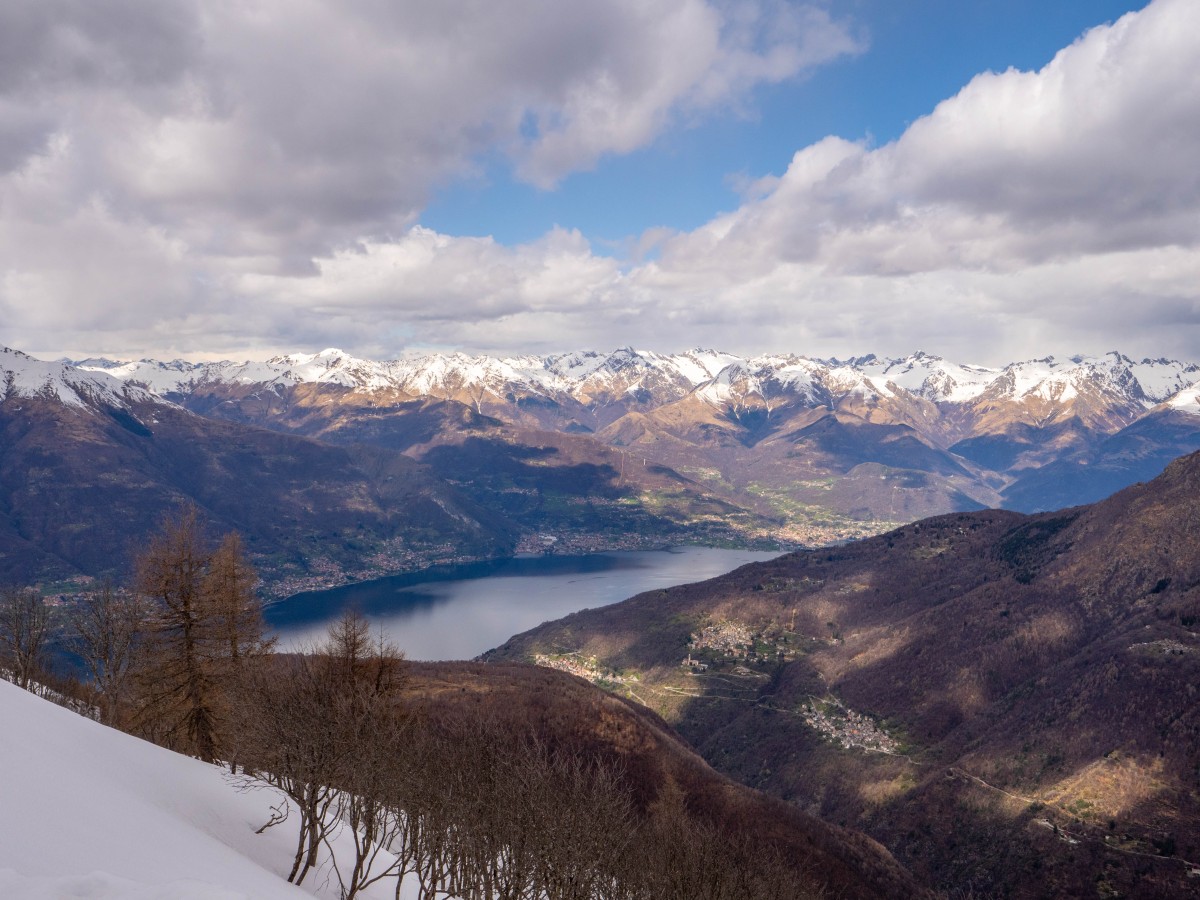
458	611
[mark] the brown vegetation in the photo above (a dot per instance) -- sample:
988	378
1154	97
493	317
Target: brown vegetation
203	623
1029	669
515	782
480	781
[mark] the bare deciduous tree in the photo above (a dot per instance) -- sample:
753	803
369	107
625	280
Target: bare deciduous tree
24	632
477	804
321	726
106	629
370	721
371	782
289	741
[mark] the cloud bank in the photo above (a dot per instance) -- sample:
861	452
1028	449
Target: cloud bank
184	177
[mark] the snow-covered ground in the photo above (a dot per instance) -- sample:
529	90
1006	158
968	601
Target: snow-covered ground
90	812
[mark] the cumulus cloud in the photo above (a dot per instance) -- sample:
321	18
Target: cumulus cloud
254	186
197	142
678	61
1095	153
289	128
1061	205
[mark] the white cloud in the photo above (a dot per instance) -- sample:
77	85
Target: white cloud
154	154
1093	154
432	288
1034	212
297	126
678	61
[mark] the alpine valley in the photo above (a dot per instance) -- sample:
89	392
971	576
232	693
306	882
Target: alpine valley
968	700
337	469
1009	703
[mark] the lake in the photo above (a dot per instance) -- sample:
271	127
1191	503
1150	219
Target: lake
458	612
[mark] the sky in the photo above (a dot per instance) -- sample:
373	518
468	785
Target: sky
989	181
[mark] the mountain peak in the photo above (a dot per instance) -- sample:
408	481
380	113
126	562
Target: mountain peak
22	375
652	378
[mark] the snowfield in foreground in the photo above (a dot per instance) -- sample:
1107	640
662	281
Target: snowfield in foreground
89	812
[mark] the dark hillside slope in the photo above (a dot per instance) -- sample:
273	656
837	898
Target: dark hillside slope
1011	704
570	714
543	481
81	487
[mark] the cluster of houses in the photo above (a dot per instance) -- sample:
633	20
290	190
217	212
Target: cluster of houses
586	668
392	558
846	727
726	641
1167	646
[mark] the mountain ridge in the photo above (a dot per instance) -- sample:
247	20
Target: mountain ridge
1005	701
739	425
604	449
580	373
90	464
588	391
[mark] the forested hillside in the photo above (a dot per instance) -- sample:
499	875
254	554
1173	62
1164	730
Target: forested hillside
463	780
1007	702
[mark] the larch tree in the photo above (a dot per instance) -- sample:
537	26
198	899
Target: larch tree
204	622
229	586
177	678
235	611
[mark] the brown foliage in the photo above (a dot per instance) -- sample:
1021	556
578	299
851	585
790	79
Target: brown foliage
203	622
485	782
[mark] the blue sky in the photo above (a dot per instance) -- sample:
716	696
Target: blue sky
918	53
984	180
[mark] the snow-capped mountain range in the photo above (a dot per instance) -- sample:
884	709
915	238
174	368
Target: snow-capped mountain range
591	378
946	402
480	450
23	376
578	375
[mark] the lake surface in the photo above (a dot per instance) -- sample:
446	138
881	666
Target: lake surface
458	612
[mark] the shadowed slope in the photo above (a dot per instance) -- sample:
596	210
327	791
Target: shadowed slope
1009	703
80	486
571	715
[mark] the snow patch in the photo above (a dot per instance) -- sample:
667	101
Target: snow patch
23	376
1186	401
88	811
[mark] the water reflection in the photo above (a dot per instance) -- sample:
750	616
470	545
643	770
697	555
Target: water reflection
458	612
